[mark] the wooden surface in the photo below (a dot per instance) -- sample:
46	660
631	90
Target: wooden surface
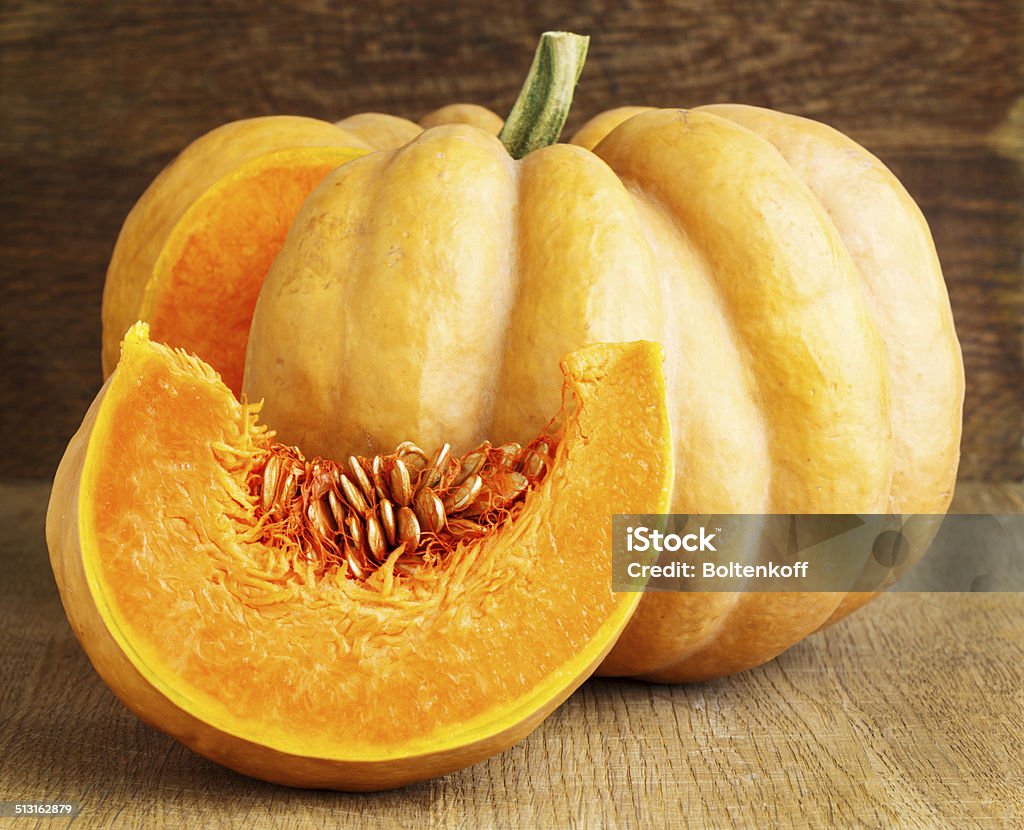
96	97
909	714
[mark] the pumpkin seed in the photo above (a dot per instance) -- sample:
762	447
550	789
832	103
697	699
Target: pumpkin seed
387	521
408	528
462	496
465	527
377	472
353	563
286	494
355	468
433	472
401	484
429	510
535	461
271	478
319	515
509	484
355	532
337	511
352	494
320	477
509	453
412	455
473	462
375	539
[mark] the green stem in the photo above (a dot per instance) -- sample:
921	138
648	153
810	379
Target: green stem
539	112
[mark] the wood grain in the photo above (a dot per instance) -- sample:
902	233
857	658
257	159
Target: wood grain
908	714
97	97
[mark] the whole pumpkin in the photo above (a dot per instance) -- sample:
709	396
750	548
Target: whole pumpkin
812	363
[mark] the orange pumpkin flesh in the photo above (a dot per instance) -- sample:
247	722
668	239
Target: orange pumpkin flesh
246	653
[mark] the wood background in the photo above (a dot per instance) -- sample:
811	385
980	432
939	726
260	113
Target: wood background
908	714
95	97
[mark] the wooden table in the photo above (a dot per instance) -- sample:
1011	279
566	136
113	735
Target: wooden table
909	714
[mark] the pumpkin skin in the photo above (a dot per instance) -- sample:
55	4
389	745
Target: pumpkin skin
389	132
339	684
812	364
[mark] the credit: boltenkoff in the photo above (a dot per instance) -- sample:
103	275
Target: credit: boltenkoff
816	552
709	570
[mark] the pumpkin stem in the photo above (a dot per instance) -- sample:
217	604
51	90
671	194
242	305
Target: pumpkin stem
542	107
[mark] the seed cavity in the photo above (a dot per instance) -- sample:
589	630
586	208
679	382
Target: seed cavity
408	505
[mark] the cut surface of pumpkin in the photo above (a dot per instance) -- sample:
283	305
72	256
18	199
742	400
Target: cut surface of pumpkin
264	609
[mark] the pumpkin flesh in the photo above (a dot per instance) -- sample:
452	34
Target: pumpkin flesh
240	650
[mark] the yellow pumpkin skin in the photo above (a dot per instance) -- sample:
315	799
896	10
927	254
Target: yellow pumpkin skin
389	132
206	666
894	256
812	363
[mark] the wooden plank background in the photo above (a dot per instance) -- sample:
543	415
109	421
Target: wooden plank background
95	97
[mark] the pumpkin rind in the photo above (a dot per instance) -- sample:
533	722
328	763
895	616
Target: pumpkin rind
472	114
144	629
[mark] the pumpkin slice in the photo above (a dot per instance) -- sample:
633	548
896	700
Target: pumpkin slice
261	608
194	250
